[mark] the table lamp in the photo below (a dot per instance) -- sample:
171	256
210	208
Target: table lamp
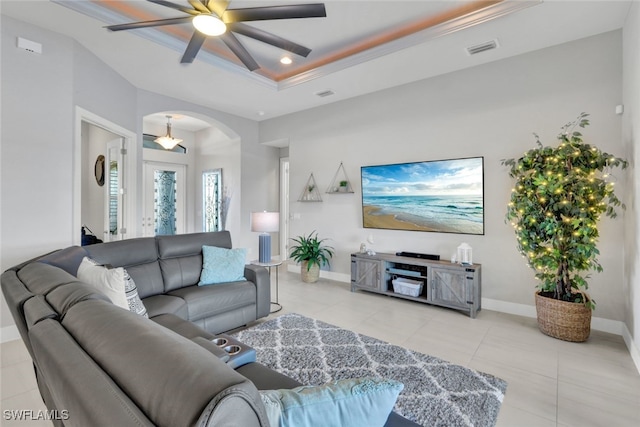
265	223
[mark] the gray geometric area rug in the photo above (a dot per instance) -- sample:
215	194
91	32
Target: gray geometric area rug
436	392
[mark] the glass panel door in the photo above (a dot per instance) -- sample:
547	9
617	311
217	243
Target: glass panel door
164	202
164	199
212	200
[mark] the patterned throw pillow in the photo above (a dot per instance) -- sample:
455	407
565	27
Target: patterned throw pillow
133	299
115	283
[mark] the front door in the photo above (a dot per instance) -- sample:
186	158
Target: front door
164	199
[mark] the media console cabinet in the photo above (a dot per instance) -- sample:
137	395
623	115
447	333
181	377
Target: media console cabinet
443	283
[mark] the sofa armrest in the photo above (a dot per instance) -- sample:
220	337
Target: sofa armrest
260	277
217	351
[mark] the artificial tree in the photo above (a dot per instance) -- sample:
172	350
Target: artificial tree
559	196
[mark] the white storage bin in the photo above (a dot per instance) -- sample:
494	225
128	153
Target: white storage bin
406	286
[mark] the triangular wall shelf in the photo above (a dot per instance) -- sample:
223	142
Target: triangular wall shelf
340	182
310	192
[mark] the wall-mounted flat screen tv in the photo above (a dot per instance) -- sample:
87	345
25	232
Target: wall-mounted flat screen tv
445	196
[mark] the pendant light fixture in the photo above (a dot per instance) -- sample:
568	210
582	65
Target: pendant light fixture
167	141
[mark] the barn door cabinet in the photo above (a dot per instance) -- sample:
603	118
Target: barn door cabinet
442	283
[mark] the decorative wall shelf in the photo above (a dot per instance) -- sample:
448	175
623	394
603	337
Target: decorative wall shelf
310	192
340	183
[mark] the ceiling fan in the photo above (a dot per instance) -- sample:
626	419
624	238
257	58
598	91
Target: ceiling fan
212	18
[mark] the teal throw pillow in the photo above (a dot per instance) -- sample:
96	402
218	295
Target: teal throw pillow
358	402
220	265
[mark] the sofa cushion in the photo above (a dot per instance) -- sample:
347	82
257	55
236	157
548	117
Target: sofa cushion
110	282
197	380
125	253
64	297
182	327
191	244
358	402
37	309
220	265
41	278
208	301
181	256
68	259
77	384
166	304
138	256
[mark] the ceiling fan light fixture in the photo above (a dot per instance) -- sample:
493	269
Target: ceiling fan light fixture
209	25
168	142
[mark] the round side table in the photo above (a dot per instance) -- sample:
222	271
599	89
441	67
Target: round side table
269	265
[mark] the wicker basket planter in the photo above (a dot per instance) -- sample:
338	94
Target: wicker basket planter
309	275
564	320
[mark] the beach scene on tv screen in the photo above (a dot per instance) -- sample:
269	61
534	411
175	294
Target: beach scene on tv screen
440	196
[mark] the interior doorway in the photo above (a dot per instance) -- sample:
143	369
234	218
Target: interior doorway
95	139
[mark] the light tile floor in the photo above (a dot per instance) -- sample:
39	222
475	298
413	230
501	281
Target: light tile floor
551	382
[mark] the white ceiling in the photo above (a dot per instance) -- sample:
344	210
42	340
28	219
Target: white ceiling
230	88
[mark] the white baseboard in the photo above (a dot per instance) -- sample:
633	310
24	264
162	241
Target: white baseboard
9	333
634	350
331	275
597	323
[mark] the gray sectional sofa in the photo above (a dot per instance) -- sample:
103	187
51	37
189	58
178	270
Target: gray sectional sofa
98	364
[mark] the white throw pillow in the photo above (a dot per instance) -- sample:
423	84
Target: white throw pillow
109	282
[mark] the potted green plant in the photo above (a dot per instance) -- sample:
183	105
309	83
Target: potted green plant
559	195
343	186
312	254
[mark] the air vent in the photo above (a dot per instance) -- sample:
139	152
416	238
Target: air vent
482	47
325	93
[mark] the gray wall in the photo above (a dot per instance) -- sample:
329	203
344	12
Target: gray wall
39	97
489	110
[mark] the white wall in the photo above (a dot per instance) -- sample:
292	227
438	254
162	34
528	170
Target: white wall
489	110
39	96
631	141
37	141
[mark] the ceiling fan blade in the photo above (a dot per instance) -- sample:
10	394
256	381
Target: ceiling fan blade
217	6
315	10
236	47
174	6
199	6
197	39
269	38
145	24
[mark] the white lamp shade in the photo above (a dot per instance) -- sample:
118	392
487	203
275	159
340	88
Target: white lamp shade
265	222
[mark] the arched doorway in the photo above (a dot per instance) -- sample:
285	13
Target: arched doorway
208	149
